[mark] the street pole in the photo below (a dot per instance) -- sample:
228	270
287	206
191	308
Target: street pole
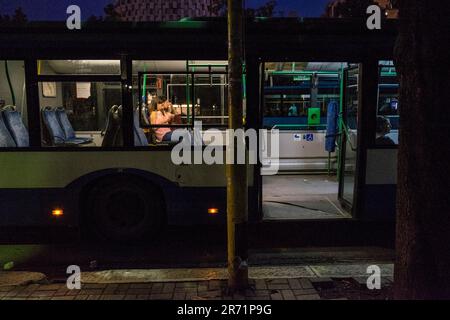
237	216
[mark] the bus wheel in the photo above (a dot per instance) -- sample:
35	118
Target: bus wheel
125	210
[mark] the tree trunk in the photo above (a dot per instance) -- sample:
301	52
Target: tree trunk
422	268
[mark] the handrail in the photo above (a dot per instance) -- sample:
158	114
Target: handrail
296	126
344	126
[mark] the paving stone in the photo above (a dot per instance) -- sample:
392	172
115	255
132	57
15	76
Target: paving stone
214	284
161	296
288	294
278	286
47	293
259	298
141	286
179	296
139	291
14	292
62	292
94	286
90	291
260	284
277	281
202	288
186	285
260	293
65	298
294	284
75	292
52	287
111	288
112	297
306	284
210	294
94	297
299	292
276	296
308	297
168	288
6	288
81	297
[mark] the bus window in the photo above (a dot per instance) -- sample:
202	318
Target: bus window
388	104
195	91
211	99
293	91
77	112
13	105
78	67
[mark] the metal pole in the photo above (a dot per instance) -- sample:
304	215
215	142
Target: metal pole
237	190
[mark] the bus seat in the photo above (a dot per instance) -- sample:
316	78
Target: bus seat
69	133
112	135
6	141
15	125
140	140
52	125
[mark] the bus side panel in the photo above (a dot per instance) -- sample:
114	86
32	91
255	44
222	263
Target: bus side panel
33	207
33	184
381	184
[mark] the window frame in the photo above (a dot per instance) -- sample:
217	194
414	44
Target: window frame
191	75
372	140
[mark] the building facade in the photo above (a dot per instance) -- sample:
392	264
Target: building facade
385	5
162	10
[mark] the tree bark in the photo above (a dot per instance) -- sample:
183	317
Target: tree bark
422	268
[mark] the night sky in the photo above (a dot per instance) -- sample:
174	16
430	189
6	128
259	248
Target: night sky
56	9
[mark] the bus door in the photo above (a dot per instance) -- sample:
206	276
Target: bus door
349	132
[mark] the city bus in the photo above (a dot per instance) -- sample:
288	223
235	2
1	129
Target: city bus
79	150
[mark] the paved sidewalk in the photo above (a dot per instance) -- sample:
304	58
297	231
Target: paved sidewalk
275	289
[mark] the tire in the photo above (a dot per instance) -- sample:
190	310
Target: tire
125	210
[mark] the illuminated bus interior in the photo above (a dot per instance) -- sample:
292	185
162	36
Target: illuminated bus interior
297	99
79	110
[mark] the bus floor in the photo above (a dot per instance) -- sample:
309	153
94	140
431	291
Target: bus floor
301	197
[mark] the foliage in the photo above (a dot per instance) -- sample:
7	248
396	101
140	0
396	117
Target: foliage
219	8
19	17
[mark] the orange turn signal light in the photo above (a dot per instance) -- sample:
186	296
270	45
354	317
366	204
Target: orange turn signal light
213	211
57	212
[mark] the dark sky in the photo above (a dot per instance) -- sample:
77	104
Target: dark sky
56	9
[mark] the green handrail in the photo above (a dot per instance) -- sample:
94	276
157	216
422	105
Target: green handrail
296	126
347	134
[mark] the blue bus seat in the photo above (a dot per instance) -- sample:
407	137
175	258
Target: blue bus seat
140	140
6	141
54	129
69	133
16	127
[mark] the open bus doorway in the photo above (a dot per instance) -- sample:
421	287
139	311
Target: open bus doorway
305	102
